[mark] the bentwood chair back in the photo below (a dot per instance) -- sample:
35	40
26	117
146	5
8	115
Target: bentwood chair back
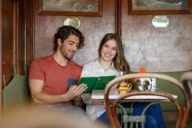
111	105
186	79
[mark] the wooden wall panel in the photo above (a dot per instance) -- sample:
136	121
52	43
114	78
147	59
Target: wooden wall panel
0	54
21	38
13	38
29	31
19	54
7	39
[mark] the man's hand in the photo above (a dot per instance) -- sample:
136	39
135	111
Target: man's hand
76	91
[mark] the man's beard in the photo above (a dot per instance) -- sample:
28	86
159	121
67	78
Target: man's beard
66	54
67	57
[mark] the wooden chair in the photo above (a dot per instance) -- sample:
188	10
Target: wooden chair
111	105
186	79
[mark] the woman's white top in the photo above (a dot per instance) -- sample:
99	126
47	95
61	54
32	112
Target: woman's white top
95	69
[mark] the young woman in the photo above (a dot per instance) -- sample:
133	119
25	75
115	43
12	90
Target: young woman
111	62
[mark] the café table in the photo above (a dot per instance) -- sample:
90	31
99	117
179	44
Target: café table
97	97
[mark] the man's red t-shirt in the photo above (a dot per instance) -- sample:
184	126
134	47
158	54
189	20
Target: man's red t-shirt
55	76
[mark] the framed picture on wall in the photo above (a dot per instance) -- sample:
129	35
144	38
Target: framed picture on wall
71	7
158	7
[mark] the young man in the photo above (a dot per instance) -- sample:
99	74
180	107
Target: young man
48	76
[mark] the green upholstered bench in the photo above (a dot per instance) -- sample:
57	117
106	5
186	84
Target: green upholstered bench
16	92
167	86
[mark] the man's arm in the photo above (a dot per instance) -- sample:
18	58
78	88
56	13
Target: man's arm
41	98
